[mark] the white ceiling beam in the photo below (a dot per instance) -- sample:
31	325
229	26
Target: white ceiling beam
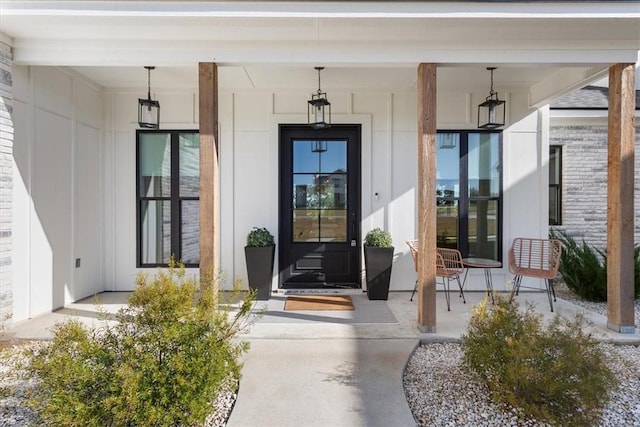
564	81
69	53
332	9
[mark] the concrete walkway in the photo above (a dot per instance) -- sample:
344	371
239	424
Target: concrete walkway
327	382
328	368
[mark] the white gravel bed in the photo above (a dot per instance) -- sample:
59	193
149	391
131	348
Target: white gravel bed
441	393
13	411
562	291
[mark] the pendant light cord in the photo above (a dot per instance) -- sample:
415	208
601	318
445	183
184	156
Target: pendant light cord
149	83
491	92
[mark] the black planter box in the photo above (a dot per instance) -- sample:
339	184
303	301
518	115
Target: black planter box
378	263
260	269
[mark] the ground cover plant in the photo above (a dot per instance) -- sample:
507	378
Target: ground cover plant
554	373
161	364
584	268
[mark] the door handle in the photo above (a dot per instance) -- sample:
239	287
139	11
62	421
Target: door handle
354	239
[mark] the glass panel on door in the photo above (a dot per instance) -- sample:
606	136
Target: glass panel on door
319	199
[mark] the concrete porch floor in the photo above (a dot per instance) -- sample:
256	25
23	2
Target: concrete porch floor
394	318
320	368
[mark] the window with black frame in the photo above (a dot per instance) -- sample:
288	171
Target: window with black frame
168	199
469	193
555	185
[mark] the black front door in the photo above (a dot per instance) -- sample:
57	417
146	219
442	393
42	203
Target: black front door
319	241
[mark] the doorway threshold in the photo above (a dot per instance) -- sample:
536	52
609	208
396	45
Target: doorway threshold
323	291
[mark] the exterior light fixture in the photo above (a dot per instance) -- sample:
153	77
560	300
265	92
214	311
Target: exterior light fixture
148	110
448	141
319	146
319	108
491	112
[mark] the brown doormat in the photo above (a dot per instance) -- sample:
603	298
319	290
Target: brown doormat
318	302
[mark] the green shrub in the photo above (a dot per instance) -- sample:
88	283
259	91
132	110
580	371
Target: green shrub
162	364
378	238
556	374
260	237
584	268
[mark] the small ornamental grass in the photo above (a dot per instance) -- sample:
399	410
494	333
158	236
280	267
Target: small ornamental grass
162	364
584	268
556	373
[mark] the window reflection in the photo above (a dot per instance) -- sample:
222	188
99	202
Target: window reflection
189	146
483	229
447	225
167	166
155	232
190	231
155	165
448	166
483	162
319	196
468	193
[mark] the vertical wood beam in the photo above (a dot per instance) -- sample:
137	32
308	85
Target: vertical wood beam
620	183
427	197
209	170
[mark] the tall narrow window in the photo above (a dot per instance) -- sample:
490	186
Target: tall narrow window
168	175
555	185
469	193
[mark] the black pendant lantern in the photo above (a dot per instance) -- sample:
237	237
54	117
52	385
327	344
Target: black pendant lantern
491	112
148	110
319	146
319	108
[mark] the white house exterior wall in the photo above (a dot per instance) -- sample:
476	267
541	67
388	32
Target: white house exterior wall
74	177
249	168
6	183
58	192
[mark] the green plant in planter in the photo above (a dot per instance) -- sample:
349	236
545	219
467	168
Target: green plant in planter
260	237
378	260
259	255
378	238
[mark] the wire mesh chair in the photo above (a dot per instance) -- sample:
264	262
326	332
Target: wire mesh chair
538	258
449	267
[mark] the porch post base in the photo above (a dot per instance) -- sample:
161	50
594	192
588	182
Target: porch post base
621	329
427	329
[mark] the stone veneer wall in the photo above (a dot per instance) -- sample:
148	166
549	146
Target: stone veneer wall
6	181
584	181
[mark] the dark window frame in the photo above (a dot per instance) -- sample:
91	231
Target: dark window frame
175	199
465	199
557	188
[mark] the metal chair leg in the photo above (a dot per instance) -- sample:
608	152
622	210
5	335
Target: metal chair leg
516	283
549	290
447	292
516	287
461	291
415	288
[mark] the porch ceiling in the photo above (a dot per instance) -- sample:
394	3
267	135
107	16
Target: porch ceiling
548	47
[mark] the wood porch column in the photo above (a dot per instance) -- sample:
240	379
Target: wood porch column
427	197
620	183
209	170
